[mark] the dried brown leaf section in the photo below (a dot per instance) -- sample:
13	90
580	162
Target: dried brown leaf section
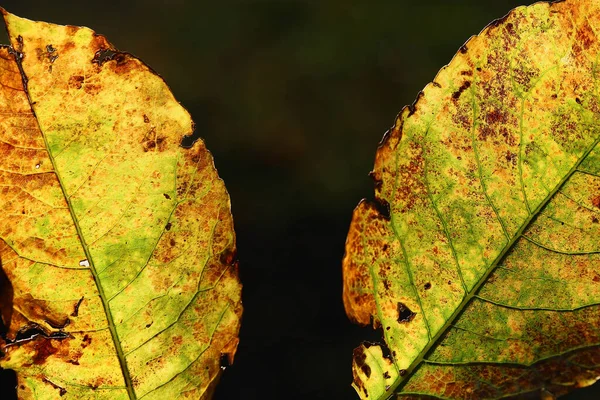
117	249
480	258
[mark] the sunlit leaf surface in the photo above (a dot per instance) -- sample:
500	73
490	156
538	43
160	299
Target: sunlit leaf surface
117	251
480	258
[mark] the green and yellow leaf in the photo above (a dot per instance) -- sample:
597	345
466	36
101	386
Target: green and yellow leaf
117	250
480	258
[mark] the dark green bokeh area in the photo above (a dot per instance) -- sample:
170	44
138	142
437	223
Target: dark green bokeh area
292	98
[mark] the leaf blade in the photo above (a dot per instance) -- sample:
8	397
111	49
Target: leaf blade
153	218
465	171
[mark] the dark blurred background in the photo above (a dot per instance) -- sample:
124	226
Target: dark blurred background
292	98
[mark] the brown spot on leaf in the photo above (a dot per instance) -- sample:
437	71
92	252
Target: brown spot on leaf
67	46
92	89
76	81
524	75
461	89
585	36
43	349
121	58
510	28
228	256
366	370
596	201
177	340
47	56
511	157
358	382
87	340
496	116
359	359
151	142
161	143
19	44
71	29
149	145
75	312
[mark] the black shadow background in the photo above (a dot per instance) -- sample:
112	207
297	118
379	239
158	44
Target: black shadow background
292	98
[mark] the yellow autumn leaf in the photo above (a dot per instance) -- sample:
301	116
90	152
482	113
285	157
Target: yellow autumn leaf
117	250
480	258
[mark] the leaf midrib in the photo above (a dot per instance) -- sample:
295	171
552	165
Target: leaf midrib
401	381
111	324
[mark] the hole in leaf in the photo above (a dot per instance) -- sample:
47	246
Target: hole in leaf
51	53
383	207
188	141
103	56
405	314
